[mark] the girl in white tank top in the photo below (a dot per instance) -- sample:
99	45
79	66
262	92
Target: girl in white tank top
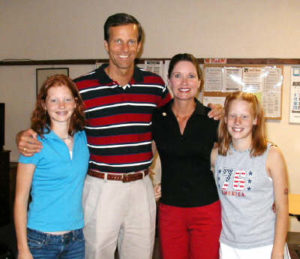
251	176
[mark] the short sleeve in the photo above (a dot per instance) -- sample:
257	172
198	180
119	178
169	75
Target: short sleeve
30	160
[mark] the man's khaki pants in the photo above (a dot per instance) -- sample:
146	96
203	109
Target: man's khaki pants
118	213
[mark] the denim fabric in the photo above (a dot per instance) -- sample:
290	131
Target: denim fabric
49	246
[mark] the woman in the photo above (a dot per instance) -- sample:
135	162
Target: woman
251	176
52	228
189	212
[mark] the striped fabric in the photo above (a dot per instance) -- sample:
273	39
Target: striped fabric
119	119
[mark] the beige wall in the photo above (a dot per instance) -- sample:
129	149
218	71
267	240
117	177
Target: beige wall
51	29
72	29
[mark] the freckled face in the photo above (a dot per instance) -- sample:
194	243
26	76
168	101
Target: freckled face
60	104
184	81
122	46
240	120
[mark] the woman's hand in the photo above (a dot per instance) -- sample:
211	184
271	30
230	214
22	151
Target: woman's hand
157	191
216	111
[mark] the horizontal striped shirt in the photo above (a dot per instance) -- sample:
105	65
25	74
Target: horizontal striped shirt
119	119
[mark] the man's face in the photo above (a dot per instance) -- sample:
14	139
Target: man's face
122	46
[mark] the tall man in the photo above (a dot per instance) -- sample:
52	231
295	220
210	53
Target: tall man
119	100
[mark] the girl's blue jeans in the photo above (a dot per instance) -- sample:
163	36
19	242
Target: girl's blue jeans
49	246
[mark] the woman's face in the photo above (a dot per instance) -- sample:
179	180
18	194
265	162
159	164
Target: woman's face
184	81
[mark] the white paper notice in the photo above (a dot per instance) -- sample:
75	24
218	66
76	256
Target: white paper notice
155	66
271	97
213	79
232	79
295	95
252	79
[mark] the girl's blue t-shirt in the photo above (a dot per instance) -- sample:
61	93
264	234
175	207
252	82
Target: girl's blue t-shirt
57	184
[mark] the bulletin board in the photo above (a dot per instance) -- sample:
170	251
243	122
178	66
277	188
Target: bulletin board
265	81
221	76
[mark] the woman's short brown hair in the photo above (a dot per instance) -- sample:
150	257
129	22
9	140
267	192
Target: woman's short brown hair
185	57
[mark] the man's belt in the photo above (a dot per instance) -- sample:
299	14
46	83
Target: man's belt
124	177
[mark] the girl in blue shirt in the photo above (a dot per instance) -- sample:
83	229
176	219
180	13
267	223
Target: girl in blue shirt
52	227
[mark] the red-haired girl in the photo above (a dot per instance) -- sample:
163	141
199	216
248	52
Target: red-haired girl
251	175
52	228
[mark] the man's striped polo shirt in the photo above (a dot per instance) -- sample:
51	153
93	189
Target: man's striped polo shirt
119	119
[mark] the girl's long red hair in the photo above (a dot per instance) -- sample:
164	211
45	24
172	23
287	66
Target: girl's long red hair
259	138
40	120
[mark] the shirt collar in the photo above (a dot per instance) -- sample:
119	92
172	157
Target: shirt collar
199	110
138	76
49	134
52	135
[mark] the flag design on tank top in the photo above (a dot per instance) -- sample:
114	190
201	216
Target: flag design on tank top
234	182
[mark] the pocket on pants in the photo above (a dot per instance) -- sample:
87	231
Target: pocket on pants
80	236
34	243
91	192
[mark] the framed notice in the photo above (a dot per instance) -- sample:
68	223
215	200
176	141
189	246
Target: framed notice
42	75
